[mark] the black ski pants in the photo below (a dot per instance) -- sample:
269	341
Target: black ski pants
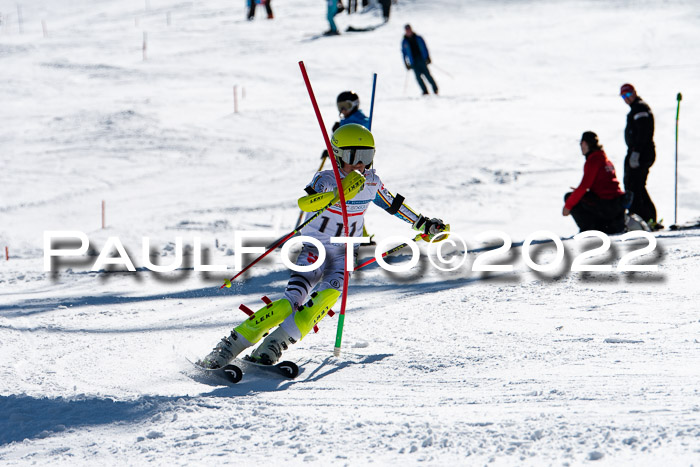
251	11
421	68
386	8
635	180
594	213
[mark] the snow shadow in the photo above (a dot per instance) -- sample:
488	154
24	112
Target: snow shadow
259	284
330	365
25	417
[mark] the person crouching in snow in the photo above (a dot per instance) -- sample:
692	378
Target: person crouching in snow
293	315
598	202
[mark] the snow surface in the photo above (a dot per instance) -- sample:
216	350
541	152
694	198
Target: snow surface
458	368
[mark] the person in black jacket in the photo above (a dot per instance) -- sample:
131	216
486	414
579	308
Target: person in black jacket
641	154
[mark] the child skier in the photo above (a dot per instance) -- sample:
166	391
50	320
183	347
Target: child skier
353	148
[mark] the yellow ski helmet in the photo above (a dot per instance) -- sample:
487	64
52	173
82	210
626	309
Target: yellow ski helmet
352	144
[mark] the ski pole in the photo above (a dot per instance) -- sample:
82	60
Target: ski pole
371	107
393	250
273	247
679	97
440	69
405	82
336	172
301	212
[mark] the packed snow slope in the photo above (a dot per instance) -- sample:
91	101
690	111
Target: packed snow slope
437	368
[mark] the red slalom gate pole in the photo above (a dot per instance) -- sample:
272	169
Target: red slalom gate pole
336	172
227	283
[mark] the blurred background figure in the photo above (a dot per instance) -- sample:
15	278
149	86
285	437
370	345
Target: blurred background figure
597	203
416	56
641	154
253	3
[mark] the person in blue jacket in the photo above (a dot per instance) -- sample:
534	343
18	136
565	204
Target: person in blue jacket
349	108
348	103
416	56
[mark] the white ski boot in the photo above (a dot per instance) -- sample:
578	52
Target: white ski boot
226	350
270	351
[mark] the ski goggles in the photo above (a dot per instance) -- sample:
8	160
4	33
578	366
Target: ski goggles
345	105
626	95
354	156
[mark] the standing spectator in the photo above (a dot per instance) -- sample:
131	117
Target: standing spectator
598	202
332	11
416	56
386	9
641	154
253	4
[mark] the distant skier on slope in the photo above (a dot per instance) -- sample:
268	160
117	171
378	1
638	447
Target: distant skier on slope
598	202
251	8
332	10
416	56
353	148
348	103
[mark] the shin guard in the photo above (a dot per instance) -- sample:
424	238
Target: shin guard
267	317
313	311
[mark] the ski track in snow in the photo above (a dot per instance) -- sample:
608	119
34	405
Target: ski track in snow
458	368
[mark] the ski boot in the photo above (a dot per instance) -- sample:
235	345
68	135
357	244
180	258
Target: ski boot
270	351
305	319
248	333
226	350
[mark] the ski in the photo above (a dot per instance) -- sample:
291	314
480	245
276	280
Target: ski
695	224
365	29
234	371
286	368
230	373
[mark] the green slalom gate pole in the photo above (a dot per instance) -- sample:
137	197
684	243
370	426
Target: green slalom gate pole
679	97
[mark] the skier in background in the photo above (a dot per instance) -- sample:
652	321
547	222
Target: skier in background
349	108
598	202
352	6
348	103
295	314
332	11
641	154
253	3
386	9
416	56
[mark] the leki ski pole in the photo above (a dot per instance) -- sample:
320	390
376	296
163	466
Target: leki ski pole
227	282
301	211
393	250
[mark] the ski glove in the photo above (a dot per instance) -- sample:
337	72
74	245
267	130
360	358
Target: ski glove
430	227
427	61
634	160
408	67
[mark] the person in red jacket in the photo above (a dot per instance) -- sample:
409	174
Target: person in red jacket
598	202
